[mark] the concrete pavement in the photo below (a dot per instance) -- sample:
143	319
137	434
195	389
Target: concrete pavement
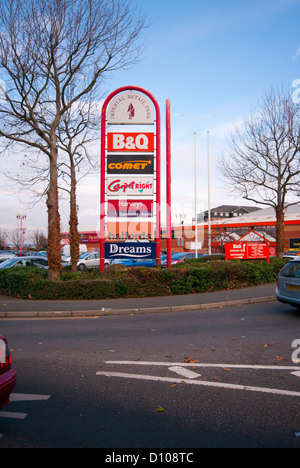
20	308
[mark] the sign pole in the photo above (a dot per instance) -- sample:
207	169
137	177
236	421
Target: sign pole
168	170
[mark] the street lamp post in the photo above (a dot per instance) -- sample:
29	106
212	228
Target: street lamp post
21	217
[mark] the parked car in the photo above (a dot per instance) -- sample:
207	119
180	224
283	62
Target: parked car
90	260
40	262
4	257
136	262
7	375
179	257
291	254
34	260
288	284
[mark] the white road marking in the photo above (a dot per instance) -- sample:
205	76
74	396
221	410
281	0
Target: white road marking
27	397
196	364
184	372
200	383
6	414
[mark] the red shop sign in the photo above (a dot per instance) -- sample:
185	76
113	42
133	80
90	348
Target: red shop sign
247	251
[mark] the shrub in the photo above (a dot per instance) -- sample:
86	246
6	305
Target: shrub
195	276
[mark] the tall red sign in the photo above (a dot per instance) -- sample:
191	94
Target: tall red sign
130	171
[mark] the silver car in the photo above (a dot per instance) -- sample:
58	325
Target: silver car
40	262
288	284
90	260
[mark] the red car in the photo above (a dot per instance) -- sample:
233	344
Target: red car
7	375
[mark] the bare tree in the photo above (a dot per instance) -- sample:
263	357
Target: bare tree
15	238
262	160
79	128
51	50
39	239
3	239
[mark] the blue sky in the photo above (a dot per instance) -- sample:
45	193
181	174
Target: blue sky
214	60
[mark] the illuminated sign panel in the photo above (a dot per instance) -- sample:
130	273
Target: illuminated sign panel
128	250
130	230
130	209
130	186
130	108
130	142
130	164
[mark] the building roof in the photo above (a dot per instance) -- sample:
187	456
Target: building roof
233	208
265	216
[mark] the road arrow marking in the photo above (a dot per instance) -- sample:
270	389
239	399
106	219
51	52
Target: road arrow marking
184	372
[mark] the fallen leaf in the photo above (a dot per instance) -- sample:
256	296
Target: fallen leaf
159	409
279	358
226	369
191	360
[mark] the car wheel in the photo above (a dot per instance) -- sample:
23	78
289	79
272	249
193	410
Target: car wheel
81	267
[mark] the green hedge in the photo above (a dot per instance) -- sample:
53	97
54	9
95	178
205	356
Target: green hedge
195	276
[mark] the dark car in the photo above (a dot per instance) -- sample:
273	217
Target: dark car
7	375
288	284
179	257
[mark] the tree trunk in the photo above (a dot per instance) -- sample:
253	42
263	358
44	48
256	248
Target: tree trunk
279	231
73	223
54	250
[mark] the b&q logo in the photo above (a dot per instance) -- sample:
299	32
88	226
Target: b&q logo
130	142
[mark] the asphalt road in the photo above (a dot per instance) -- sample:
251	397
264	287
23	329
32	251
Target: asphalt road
221	377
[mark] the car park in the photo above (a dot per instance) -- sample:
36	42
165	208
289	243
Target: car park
179	257
288	284
7	375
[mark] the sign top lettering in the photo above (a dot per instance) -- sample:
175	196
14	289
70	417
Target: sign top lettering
130	108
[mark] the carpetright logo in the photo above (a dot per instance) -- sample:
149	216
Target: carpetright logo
125	186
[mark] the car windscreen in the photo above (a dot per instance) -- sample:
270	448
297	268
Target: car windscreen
178	256
292	270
